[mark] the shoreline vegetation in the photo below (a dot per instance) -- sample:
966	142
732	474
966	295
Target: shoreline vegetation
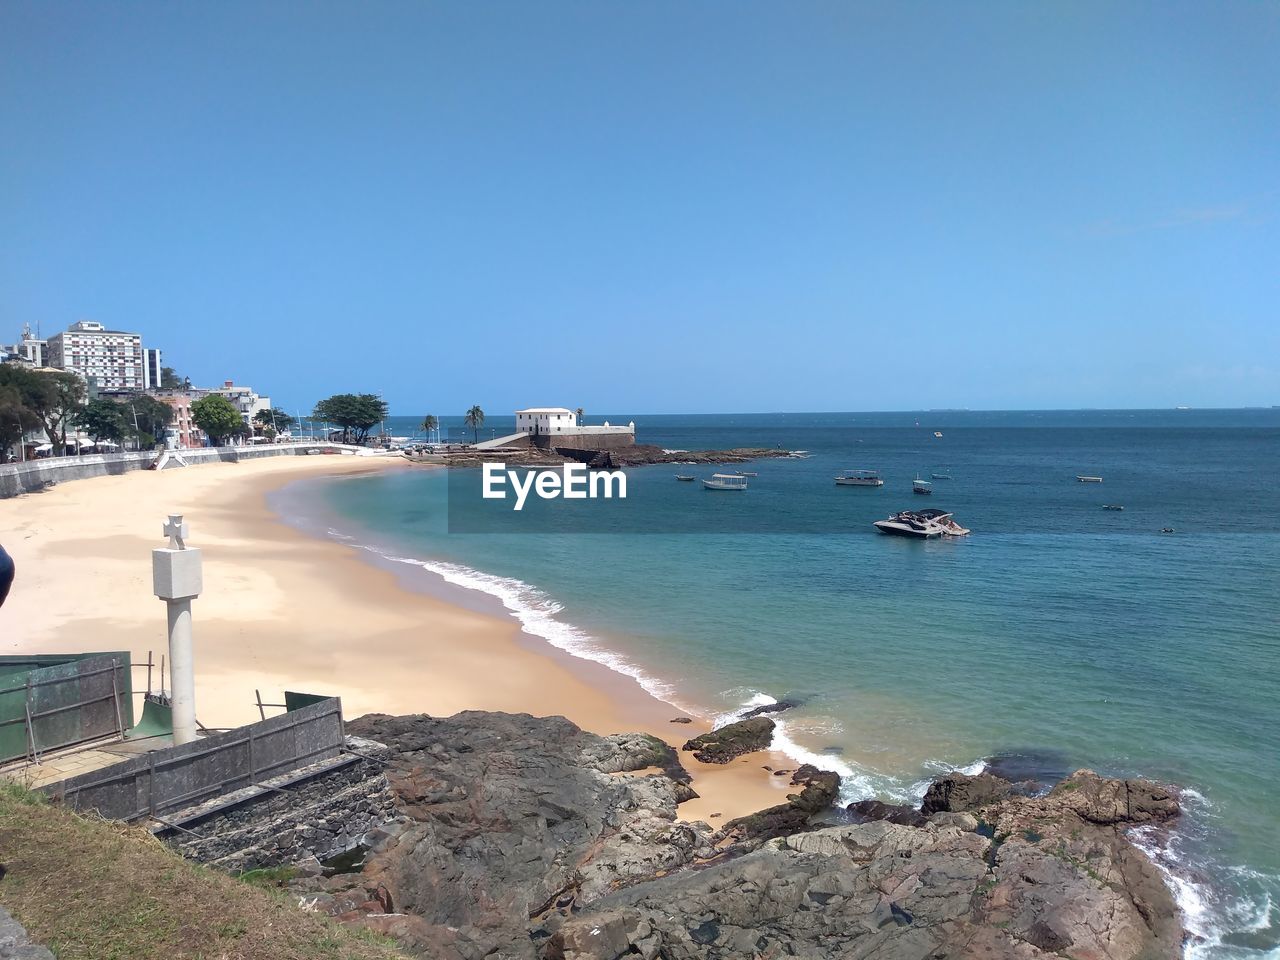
1014	875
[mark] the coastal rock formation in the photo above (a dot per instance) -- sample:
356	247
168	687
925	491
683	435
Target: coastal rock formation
957	792
770	708
732	741
528	838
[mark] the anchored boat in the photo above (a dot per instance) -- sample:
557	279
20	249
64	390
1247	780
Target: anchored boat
1089	479
725	481
921	486
922	525
860	478
686	479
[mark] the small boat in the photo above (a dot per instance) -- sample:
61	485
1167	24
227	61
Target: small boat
940	476
1112	506
938	434
747	473
686	479
1166	529
922	525
860	478
725	481
1089	479
921	486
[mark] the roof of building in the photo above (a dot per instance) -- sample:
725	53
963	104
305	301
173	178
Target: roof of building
545	410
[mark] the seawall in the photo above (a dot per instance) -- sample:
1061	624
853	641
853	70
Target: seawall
34	475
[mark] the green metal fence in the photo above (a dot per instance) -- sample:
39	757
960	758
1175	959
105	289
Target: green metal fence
57	700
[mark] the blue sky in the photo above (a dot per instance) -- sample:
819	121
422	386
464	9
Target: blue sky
659	206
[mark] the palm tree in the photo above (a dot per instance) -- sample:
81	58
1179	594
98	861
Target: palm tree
475	420
581	413
430	424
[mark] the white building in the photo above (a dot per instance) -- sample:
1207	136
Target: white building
244	398
30	350
109	359
544	420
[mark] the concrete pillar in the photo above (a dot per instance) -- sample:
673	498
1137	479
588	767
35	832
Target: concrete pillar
178	578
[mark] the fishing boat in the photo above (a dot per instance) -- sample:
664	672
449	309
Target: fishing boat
725	481
940	476
921	486
1112	506
687	479
922	525
1089	479
860	478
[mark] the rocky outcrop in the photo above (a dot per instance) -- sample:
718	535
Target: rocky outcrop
732	741
866	811
529	838
957	792
770	708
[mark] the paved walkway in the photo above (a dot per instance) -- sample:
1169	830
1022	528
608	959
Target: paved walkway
14	944
56	767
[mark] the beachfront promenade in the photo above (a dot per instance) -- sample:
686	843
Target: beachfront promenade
32	476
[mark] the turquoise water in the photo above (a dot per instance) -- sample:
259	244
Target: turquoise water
1058	633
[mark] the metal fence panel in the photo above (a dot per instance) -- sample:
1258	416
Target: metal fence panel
64	703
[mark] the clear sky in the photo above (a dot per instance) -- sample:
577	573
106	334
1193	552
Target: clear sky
656	206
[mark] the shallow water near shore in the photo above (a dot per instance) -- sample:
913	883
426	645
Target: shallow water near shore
1059	633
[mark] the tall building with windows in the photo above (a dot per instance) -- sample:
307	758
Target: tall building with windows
150	368
108	359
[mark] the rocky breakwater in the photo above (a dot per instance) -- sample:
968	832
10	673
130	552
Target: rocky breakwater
520	837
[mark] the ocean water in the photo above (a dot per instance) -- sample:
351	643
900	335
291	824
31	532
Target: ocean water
1057	635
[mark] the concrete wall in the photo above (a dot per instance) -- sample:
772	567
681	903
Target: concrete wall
34	475
612	440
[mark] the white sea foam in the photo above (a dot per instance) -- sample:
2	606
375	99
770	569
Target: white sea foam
1205	914
536	611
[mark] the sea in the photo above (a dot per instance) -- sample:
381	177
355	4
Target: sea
1058	635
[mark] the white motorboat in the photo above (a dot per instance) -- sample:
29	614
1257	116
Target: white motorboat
921	486
1089	479
685	477
747	473
922	525
860	478
725	481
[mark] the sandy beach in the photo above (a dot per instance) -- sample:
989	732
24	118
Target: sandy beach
284	610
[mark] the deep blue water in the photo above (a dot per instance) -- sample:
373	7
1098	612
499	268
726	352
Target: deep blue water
1057	630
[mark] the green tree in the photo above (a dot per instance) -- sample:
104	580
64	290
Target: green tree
275	418
475	420
580	413
430	423
169	379
15	418
151	417
105	419
355	413
217	417
51	397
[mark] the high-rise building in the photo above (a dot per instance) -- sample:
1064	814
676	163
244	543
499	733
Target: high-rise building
108	359
150	368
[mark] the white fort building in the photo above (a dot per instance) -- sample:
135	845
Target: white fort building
559	427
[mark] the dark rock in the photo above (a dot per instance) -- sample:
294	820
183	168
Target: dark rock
732	741
957	792
526	839
683	720
770	708
819	789
864	811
